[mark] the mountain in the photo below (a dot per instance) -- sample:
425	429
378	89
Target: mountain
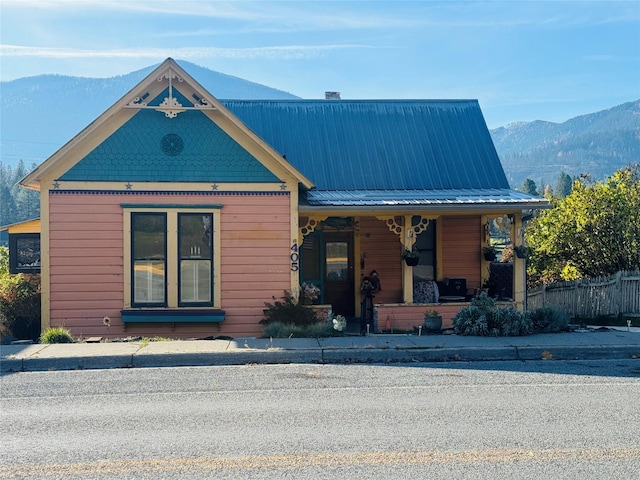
598	143
42	113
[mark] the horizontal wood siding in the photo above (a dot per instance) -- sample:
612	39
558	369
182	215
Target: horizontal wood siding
87	265
405	317
382	248
461	240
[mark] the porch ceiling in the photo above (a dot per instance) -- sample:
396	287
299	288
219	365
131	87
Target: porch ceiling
433	199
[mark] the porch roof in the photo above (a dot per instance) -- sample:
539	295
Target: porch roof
433	199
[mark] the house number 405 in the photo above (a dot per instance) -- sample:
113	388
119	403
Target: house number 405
294	257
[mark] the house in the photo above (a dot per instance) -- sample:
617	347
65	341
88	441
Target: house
178	214
24	246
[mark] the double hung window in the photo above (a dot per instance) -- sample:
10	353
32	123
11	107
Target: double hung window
196	254
172	257
149	247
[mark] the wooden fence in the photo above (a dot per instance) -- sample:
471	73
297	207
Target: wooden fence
591	297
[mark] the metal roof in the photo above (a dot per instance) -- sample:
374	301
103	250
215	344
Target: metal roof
398	145
434	199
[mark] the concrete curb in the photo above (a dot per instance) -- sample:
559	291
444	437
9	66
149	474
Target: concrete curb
319	356
66	363
578	352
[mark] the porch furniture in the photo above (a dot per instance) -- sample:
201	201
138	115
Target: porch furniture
456	287
426	292
452	298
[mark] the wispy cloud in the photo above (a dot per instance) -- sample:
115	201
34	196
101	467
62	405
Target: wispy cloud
275	52
279	16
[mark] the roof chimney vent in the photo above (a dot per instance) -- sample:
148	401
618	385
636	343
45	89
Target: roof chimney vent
332	95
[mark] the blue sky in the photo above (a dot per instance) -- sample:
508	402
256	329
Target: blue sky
523	60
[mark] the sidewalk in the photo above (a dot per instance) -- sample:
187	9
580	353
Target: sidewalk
587	344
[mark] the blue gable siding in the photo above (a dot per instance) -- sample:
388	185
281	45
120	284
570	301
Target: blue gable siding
352	145
134	153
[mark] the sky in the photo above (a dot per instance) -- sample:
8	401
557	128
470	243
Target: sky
522	60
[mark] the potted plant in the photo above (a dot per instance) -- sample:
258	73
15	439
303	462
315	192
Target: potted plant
490	253
410	257
432	321
522	251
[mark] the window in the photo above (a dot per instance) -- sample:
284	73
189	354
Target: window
24	253
196	254
149	248
172	256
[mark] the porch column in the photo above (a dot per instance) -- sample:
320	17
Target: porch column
408	240
519	264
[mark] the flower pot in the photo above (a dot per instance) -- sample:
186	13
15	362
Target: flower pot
412	261
433	324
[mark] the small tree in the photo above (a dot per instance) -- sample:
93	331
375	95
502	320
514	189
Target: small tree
529	186
594	231
563	185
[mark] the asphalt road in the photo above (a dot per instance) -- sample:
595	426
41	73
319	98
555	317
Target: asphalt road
550	419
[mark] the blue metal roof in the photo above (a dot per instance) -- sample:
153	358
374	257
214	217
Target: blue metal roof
433	198
347	145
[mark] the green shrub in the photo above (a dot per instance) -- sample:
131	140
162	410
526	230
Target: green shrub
471	321
548	320
512	323
56	335
20	305
288	311
484	318
4	262
288	330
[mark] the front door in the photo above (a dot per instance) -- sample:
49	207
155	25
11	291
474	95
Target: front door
338	272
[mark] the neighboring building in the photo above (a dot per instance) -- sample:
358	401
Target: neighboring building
178	214
23	240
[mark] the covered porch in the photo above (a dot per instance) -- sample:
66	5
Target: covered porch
338	252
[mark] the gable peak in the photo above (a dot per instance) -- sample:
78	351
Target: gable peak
165	77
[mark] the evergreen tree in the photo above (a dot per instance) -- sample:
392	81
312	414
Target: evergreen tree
563	185
17	204
529	186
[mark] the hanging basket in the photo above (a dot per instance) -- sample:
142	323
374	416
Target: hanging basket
412	261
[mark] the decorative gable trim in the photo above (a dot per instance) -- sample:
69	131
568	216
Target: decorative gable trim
171	106
161	79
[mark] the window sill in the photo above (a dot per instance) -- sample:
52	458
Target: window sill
182	315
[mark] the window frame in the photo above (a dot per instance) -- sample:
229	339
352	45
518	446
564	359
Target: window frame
181	258
164	259
14	239
172	256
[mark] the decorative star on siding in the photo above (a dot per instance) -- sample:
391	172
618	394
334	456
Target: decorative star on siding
128	186
283	186
56	185
214	186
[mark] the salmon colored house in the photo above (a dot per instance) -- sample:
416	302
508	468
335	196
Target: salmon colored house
178	214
